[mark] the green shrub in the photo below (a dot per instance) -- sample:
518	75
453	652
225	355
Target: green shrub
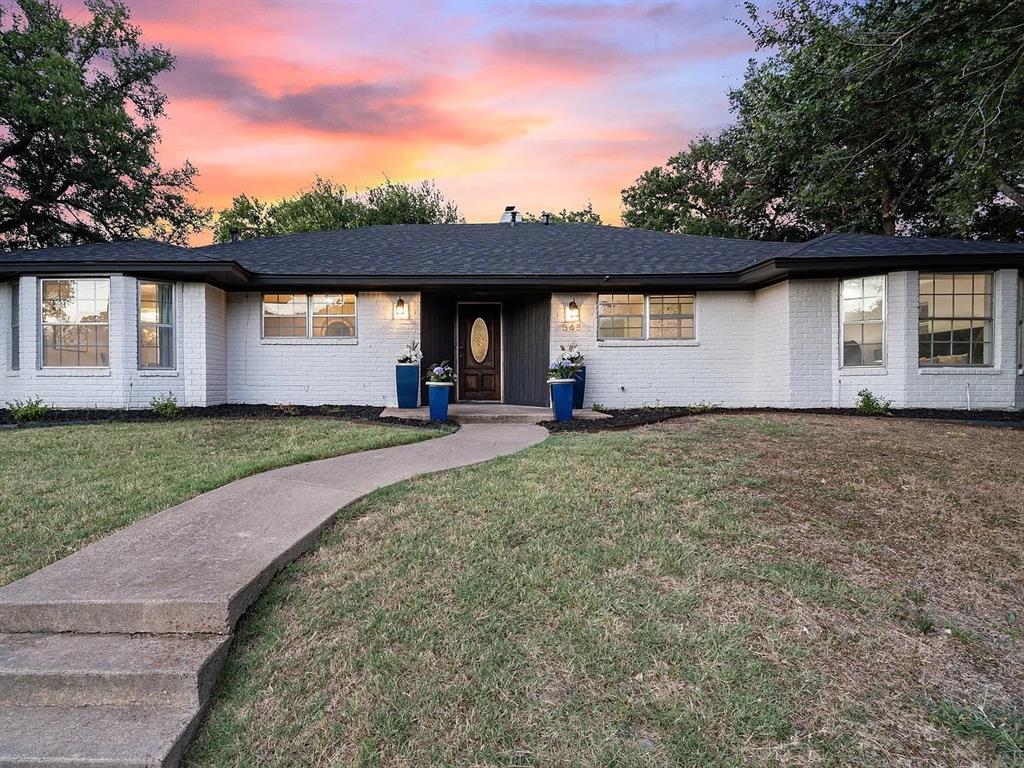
869	405
32	409
165	405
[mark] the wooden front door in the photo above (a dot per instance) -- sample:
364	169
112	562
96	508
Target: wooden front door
480	352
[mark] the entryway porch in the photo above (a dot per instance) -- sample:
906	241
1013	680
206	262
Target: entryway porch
491	413
498	342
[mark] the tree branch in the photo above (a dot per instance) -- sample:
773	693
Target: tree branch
1015	194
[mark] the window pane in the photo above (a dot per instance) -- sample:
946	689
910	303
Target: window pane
15	327
620	316
671	317
74	322
156	325
863	311
961	305
284	315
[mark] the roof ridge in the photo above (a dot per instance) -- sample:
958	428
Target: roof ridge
809	243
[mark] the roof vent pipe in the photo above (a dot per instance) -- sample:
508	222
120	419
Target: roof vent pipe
515	215
235	233
547	218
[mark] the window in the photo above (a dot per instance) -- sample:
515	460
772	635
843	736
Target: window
75	323
620	316
284	315
1020	326
635	316
334	314
863	308
955	319
156	325
304	316
15	327
670	317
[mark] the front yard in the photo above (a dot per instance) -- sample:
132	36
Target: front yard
63	487
719	590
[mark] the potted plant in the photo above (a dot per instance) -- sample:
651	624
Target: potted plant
440	380
573	355
560	377
407	375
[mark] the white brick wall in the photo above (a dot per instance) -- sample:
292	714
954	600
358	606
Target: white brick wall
122	385
713	368
311	372
769	348
778	346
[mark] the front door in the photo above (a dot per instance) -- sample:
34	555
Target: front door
480	352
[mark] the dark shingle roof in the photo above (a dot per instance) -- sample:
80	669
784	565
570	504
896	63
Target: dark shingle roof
494	249
855	245
120	251
441	253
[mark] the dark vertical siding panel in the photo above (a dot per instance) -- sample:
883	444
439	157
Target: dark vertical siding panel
527	334
437	333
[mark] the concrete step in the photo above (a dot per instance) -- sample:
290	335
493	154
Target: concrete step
94	737
71	613
70	670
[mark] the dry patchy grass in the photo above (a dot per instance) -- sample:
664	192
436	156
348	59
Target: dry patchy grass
720	590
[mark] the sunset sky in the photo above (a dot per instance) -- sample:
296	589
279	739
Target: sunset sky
544	105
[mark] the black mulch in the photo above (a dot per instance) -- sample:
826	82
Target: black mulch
626	418
98	415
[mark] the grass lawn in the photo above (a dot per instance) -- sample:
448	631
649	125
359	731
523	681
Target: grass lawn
716	591
63	487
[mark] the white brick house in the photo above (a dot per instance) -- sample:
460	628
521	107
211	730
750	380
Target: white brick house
662	319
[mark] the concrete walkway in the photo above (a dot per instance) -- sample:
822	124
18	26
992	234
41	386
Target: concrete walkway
107	657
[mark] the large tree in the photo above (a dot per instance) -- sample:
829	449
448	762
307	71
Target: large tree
893	116
78	130
328	205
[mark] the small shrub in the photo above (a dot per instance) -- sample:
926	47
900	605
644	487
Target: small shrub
702	407
32	409
596	407
869	405
165	405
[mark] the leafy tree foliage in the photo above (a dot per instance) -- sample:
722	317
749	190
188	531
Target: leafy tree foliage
328	205
585	215
892	116
78	130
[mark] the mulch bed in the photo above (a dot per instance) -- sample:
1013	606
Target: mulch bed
626	418
372	413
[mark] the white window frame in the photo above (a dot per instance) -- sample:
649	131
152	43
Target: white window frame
15	326
646	322
1020	323
42	324
172	325
309	337
884	323
990	319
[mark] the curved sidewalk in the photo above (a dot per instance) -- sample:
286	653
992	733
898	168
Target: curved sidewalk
110	640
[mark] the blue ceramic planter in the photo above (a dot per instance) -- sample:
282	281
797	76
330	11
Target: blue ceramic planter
407	380
439	394
561	398
579	387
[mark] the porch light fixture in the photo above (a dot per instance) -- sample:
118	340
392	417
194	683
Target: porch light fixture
572	312
401	310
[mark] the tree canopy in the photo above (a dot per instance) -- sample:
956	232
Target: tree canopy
586	215
328	205
78	130
891	116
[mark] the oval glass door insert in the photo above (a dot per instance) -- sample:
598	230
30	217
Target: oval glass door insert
479	340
